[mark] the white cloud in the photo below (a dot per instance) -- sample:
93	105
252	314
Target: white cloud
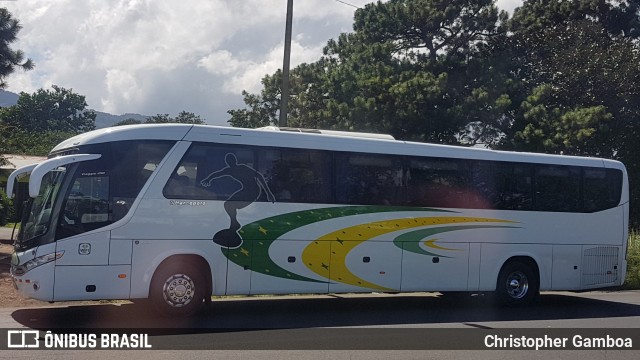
221	62
123	54
122	86
242	74
158	56
509	5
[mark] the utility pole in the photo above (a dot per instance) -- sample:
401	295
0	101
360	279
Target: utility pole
284	101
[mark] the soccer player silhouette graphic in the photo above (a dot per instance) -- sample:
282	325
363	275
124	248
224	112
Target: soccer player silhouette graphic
252	183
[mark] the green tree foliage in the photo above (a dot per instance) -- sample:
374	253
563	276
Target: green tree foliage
583	61
128	121
58	109
159	119
41	120
445	29
184	117
578	89
558	129
618	18
6	209
24	142
408	69
559	76
10	59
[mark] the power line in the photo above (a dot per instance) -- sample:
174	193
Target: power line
346	3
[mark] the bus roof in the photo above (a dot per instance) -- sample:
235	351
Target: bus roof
330	132
316	139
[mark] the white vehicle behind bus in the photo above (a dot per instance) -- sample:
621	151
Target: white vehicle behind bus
178	213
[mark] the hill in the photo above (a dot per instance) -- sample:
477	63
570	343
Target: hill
103	119
8	98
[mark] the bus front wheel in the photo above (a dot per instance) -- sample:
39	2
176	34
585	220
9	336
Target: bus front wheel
177	289
517	284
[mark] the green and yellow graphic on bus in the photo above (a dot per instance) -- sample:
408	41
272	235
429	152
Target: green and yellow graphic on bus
326	256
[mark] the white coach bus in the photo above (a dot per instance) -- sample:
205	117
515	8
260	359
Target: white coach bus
178	213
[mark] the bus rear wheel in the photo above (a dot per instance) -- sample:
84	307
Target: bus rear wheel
178	290
517	284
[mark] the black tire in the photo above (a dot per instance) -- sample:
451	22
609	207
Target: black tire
178	289
518	284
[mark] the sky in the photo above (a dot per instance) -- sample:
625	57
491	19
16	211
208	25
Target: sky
162	57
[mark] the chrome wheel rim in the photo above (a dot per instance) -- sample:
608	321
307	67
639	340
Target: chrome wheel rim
178	290
517	285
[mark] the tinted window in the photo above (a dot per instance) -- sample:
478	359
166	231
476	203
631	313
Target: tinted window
296	175
87	207
602	188
131	163
557	188
103	190
198	175
368	179
311	176
504	186
438	182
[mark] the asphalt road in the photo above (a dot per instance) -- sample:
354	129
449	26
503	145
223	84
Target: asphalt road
377	326
347	326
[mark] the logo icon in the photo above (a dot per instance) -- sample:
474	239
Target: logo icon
23	339
84	249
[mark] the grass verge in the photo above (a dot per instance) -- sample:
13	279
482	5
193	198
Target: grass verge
633	261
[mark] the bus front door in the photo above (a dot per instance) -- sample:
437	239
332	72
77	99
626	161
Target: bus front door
85	271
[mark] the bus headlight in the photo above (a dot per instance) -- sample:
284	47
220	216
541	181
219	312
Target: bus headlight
34	263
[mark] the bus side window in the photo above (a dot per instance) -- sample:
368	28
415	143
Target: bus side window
368	179
557	188
296	175
439	182
200	161
179	185
103	190
514	186
214	160
484	179
87	206
601	188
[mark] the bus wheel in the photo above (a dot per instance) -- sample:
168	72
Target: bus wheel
178	289
517	284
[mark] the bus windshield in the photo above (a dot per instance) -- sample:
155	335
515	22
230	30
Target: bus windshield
37	218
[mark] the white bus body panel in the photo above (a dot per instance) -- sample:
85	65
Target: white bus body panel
149	254
120	252
157	228
567	267
438	273
42	276
494	256
548	237
377	262
288	254
92	282
173	132
91	248
86	261
44	167
17	174
164	227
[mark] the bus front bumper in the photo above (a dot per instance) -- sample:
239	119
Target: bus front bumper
37	282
